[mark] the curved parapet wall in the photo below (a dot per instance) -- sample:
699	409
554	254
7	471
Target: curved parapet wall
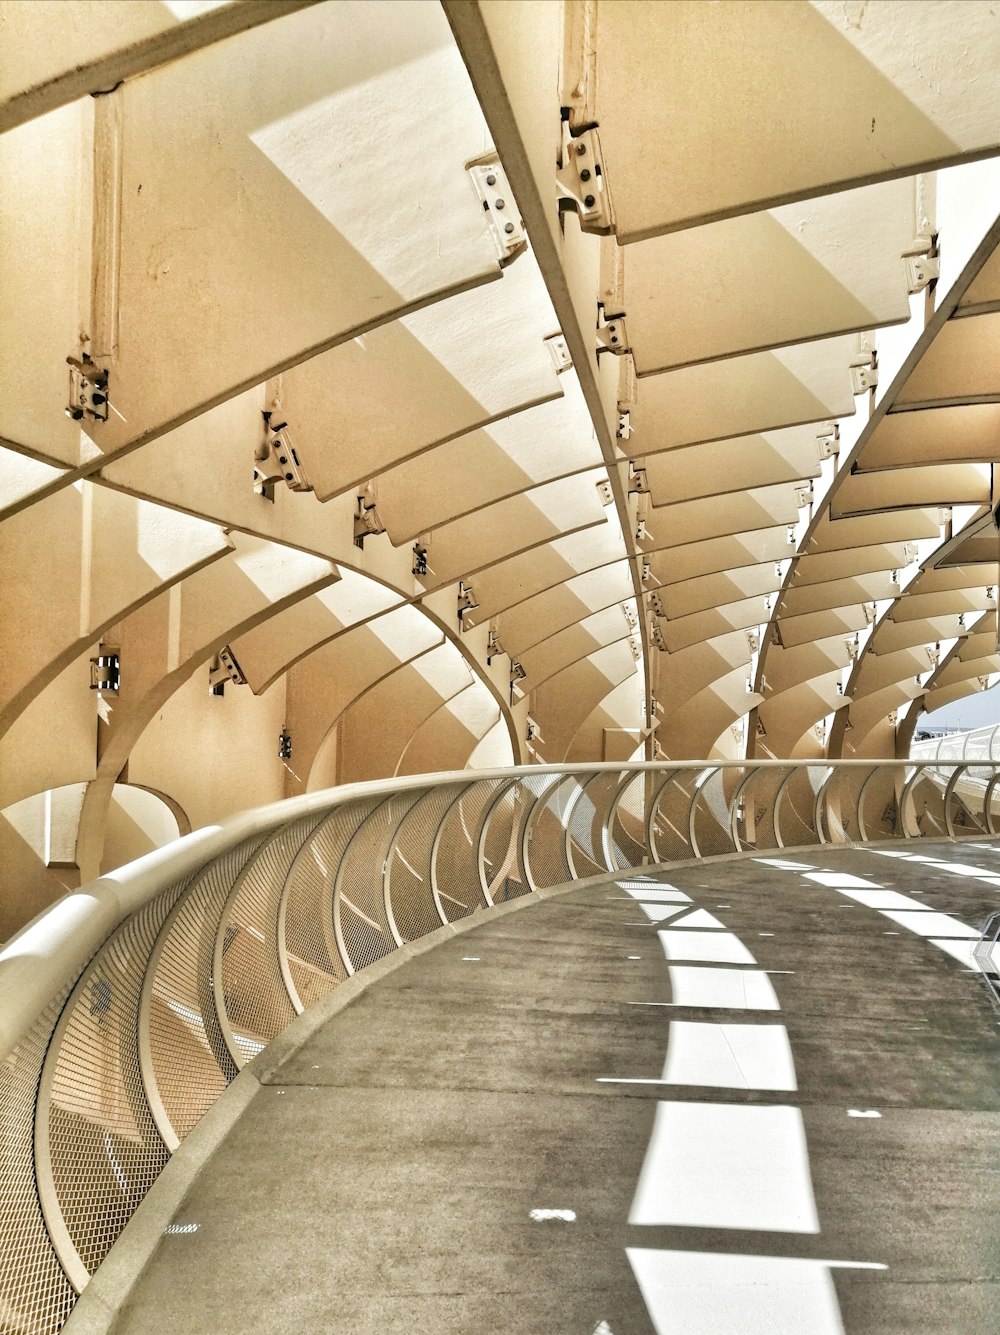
132	1004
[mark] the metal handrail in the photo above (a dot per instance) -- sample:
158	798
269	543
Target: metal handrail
129	1006
960	745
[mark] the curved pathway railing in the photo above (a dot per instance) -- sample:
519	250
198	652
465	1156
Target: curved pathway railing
131	1005
978	744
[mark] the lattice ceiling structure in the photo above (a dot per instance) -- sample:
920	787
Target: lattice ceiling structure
489	381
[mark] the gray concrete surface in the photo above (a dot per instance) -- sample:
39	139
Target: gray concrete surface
384	1177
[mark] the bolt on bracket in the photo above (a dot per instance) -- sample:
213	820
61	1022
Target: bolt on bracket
503	219
88	390
612	335
580	180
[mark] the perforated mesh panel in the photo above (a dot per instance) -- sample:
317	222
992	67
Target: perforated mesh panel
103	1146
35	1295
755	819
628	826
587	824
670	817
359	906
967	799
314	959
191	1060
547	832
411	897
456	868
951	748
879	816
256	1000
712	828
838	807
458	849
927	797
796	821
505	877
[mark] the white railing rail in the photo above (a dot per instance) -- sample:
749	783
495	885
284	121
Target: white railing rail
978	744
131	1005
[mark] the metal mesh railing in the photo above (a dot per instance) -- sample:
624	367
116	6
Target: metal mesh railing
979	744
129	1008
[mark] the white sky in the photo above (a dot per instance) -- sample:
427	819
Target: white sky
975	711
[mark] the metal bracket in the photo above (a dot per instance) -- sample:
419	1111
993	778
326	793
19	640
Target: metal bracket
88	390
275	460
828	440
226	670
625	428
922	264
580	180
366	521
517	675
105	671
611	332
605	492
502	216
466	603
864	375
559	352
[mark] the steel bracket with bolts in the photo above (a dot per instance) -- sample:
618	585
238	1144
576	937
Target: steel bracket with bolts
581	182
88	390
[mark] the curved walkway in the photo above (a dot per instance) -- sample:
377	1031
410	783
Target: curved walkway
750	1096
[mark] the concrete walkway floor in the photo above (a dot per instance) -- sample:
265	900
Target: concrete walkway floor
752	1096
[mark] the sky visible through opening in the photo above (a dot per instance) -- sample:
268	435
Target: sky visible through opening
975	711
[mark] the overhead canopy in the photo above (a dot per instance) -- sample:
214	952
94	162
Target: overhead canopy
632	366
